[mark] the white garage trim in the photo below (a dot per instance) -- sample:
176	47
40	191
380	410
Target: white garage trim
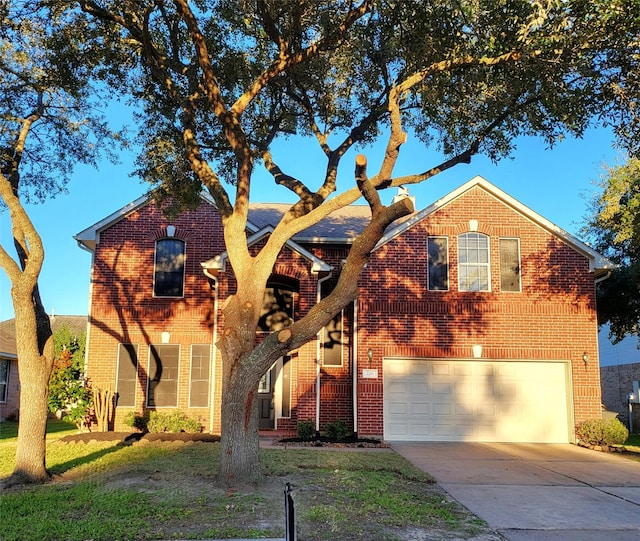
477	400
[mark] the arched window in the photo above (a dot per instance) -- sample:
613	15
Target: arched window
473	262
169	268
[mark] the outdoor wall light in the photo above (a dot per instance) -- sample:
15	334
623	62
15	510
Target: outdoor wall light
477	351
585	358
166	336
370	356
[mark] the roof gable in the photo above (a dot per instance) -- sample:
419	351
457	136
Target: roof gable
597	262
89	237
219	262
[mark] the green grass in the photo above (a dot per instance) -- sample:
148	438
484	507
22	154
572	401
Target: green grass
106	491
633	440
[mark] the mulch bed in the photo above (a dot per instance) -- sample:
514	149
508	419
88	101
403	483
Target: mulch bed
128	437
322	441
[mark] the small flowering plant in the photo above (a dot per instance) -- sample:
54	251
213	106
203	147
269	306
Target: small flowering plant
69	393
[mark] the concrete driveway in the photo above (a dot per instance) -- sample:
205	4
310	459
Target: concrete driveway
538	492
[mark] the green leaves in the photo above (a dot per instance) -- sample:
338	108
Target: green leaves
614	228
51	97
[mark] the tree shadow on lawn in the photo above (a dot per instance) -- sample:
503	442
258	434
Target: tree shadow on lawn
63	467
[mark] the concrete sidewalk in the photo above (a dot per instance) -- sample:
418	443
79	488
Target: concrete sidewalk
537	492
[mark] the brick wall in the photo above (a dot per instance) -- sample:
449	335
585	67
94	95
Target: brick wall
617	382
124	310
552	318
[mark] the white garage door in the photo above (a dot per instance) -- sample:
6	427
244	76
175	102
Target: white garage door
490	401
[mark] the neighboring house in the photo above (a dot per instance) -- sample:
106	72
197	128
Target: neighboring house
9	376
618	381
9	382
476	320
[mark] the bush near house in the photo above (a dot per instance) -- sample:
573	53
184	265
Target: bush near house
70	396
157	422
601	432
306	429
336	431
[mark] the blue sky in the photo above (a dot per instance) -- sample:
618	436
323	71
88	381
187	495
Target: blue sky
557	183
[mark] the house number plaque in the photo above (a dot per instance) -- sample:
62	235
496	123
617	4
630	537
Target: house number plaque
370	373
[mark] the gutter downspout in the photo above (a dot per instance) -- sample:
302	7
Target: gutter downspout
88	337
355	367
318	353
214	350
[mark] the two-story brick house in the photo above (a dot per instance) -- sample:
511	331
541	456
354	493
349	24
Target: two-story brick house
476	320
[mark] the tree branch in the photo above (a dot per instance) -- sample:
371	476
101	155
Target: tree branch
286	61
282	179
229	120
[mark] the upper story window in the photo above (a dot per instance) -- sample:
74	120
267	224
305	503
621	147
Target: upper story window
169	268
473	262
510	265
277	307
438	263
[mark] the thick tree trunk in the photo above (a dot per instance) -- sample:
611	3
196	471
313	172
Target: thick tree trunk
31	451
34	344
239	442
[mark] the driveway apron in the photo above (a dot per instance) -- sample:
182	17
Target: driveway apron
540	492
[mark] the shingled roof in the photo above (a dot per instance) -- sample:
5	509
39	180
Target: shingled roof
76	324
339	227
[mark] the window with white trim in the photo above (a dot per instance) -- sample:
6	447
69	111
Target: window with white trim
4	379
277	307
510	265
437	263
127	376
333	342
164	364
199	389
473	262
168	276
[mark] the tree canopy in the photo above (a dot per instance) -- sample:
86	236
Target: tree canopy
222	79
614	228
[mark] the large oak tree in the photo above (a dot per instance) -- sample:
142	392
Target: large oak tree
220	80
48	123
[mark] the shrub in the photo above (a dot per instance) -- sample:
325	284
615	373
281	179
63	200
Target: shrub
306	429
172	422
336	431
136	421
69	392
602	432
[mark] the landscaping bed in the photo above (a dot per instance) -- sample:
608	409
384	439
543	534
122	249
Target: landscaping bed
129	437
324	441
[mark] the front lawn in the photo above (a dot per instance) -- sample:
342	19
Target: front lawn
633	441
109	490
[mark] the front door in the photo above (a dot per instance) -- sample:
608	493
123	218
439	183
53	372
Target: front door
266	403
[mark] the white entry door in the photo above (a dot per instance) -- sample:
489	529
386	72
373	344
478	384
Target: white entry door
471	400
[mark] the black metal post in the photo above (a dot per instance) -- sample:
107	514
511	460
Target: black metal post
289	513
